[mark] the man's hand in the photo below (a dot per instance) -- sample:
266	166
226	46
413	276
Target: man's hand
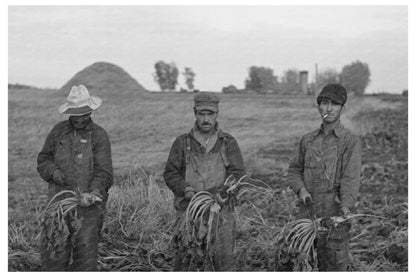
213	190
305	196
345	212
222	197
189	192
87	199
58	177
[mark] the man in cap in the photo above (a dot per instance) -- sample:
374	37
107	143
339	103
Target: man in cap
201	160
76	156
326	176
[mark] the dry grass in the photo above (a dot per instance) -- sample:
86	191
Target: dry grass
138	230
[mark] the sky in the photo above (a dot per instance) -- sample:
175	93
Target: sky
48	45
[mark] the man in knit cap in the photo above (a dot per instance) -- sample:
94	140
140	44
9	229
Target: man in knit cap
325	174
201	160
76	156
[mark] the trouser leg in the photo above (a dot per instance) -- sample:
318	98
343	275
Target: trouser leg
333	248
101	219
224	243
86	240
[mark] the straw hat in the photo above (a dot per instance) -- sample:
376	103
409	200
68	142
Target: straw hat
79	102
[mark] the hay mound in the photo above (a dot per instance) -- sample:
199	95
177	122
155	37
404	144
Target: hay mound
103	78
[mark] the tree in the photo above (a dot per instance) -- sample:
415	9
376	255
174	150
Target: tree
230	89
290	81
356	77
189	76
328	76
166	75
261	79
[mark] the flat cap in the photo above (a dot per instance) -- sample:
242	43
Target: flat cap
335	92
206	101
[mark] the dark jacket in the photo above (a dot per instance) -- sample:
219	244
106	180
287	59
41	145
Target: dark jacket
100	169
175	169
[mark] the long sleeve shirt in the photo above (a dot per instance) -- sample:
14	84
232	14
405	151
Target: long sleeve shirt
327	163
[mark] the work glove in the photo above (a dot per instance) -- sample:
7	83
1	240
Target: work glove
58	177
189	192
87	199
305	196
345	212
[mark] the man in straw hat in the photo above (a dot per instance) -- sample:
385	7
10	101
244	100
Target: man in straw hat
202	160
326	176
76	156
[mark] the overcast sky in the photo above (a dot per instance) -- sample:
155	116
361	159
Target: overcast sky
47	45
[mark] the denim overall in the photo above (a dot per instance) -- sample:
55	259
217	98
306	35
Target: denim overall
74	156
204	172
321	180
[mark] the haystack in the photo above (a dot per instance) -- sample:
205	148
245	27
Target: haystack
102	78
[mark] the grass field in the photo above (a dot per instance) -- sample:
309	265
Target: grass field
140	213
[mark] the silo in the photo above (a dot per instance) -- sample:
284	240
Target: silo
303	80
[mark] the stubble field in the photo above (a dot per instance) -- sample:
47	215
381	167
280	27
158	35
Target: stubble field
138	230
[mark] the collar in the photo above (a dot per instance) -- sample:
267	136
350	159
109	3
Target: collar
337	130
209	142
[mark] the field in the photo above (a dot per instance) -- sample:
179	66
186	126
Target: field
138	228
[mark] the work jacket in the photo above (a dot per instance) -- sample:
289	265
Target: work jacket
83	155
175	170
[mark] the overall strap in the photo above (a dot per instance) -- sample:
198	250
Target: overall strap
340	145
187	149
223	153
340	151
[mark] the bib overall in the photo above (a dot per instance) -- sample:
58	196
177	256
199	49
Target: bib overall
73	155
204	172
321	179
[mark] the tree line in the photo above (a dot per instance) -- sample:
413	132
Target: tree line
355	77
166	76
